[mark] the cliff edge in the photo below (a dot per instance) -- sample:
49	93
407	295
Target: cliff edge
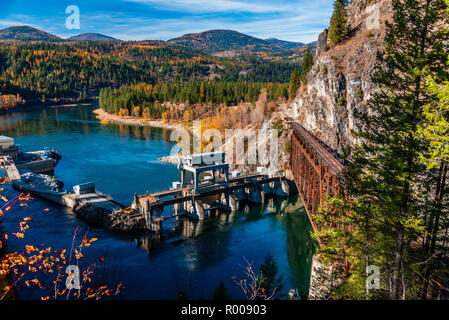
340	79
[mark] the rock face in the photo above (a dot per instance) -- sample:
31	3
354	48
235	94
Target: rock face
340	80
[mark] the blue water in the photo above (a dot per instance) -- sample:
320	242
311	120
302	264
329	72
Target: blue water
122	160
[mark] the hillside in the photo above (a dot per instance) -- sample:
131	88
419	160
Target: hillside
68	69
221	43
91	37
26	33
224	40
286	45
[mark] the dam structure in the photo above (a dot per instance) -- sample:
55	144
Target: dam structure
207	188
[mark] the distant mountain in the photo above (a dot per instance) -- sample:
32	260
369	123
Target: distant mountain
286	45
214	41
91	37
26	33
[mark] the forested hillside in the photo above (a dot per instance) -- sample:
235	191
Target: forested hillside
48	70
224	40
146	100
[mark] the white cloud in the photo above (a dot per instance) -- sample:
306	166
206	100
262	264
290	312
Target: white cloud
302	26
6	23
293	29
201	6
299	20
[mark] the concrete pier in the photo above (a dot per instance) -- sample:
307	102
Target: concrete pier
91	206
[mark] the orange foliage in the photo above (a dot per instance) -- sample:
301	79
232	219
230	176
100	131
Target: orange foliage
28	267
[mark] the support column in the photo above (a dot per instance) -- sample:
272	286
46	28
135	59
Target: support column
199	210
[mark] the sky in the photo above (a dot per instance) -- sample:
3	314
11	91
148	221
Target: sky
298	20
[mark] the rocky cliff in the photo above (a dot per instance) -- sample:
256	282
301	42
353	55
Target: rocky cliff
340	80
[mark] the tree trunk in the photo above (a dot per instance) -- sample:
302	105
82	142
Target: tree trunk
438	207
397	265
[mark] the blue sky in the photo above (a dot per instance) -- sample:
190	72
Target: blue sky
300	20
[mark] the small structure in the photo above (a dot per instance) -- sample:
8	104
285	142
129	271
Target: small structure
39	162
6	142
7	147
203	171
84	188
87	204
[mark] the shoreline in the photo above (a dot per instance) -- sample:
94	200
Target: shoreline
33	106
108	118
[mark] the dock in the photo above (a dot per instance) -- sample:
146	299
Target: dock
10	168
39	162
89	205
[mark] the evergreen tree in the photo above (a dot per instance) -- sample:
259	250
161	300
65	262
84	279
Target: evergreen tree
221	293
435	131
269	272
307	64
84	95
295	83
338	25
385	180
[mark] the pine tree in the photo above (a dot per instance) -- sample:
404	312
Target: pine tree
385	180
338	25
307	64
435	131
221	293
295	83
272	283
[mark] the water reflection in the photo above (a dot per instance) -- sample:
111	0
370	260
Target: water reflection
70	120
209	242
191	255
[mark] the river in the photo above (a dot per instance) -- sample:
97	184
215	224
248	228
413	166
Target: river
122	160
